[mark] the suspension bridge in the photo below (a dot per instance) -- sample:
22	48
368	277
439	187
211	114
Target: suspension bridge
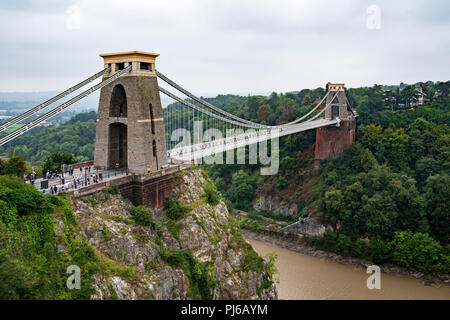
133	134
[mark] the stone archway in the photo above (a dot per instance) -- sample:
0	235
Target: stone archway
118	146
118	105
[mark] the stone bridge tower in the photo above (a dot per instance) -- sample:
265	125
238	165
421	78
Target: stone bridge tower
130	126
334	140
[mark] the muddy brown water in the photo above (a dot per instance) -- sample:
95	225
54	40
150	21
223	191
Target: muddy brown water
306	277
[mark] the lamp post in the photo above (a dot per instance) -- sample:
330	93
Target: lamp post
62	169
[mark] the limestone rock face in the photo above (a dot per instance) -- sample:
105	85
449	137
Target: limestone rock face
308	226
136	257
275	205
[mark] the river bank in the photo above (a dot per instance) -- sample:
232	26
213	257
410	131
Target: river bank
357	264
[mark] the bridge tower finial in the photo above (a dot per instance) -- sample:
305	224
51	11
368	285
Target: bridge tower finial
339	109
130	127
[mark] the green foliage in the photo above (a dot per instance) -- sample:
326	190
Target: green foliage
437	195
282	183
211	194
54	162
15	166
379	251
251	261
30	266
242	189
174	209
375	201
327	241
359	249
76	136
343	245
105	232
271	269
142	216
419	251
8	215
113	189
24	198
173	229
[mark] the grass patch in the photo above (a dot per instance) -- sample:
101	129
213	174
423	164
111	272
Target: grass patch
173	229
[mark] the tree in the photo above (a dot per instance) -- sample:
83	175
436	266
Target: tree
426	167
343	245
379	215
372	135
443	89
379	251
253	106
242	190
408	95
57	159
15	166
437	196
263	113
416	250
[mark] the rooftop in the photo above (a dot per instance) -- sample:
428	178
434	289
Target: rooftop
129	56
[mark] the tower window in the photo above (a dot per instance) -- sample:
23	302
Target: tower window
145	66
152	119
154	148
120	66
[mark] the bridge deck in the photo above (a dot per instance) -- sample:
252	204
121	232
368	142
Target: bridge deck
205	149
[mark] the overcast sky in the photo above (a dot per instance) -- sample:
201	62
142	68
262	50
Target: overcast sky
228	46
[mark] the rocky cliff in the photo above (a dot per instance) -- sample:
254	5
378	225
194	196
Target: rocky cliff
308	226
192	249
276	205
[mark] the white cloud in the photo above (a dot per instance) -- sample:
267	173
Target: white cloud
228	45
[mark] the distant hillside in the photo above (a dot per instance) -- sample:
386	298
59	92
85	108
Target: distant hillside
18	102
76	136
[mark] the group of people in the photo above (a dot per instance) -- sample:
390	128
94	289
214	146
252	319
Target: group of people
76	182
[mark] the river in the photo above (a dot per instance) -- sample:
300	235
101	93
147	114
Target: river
306	277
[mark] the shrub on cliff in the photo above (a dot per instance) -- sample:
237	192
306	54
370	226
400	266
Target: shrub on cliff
211	194
142	216
200	276
174	209
113	189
